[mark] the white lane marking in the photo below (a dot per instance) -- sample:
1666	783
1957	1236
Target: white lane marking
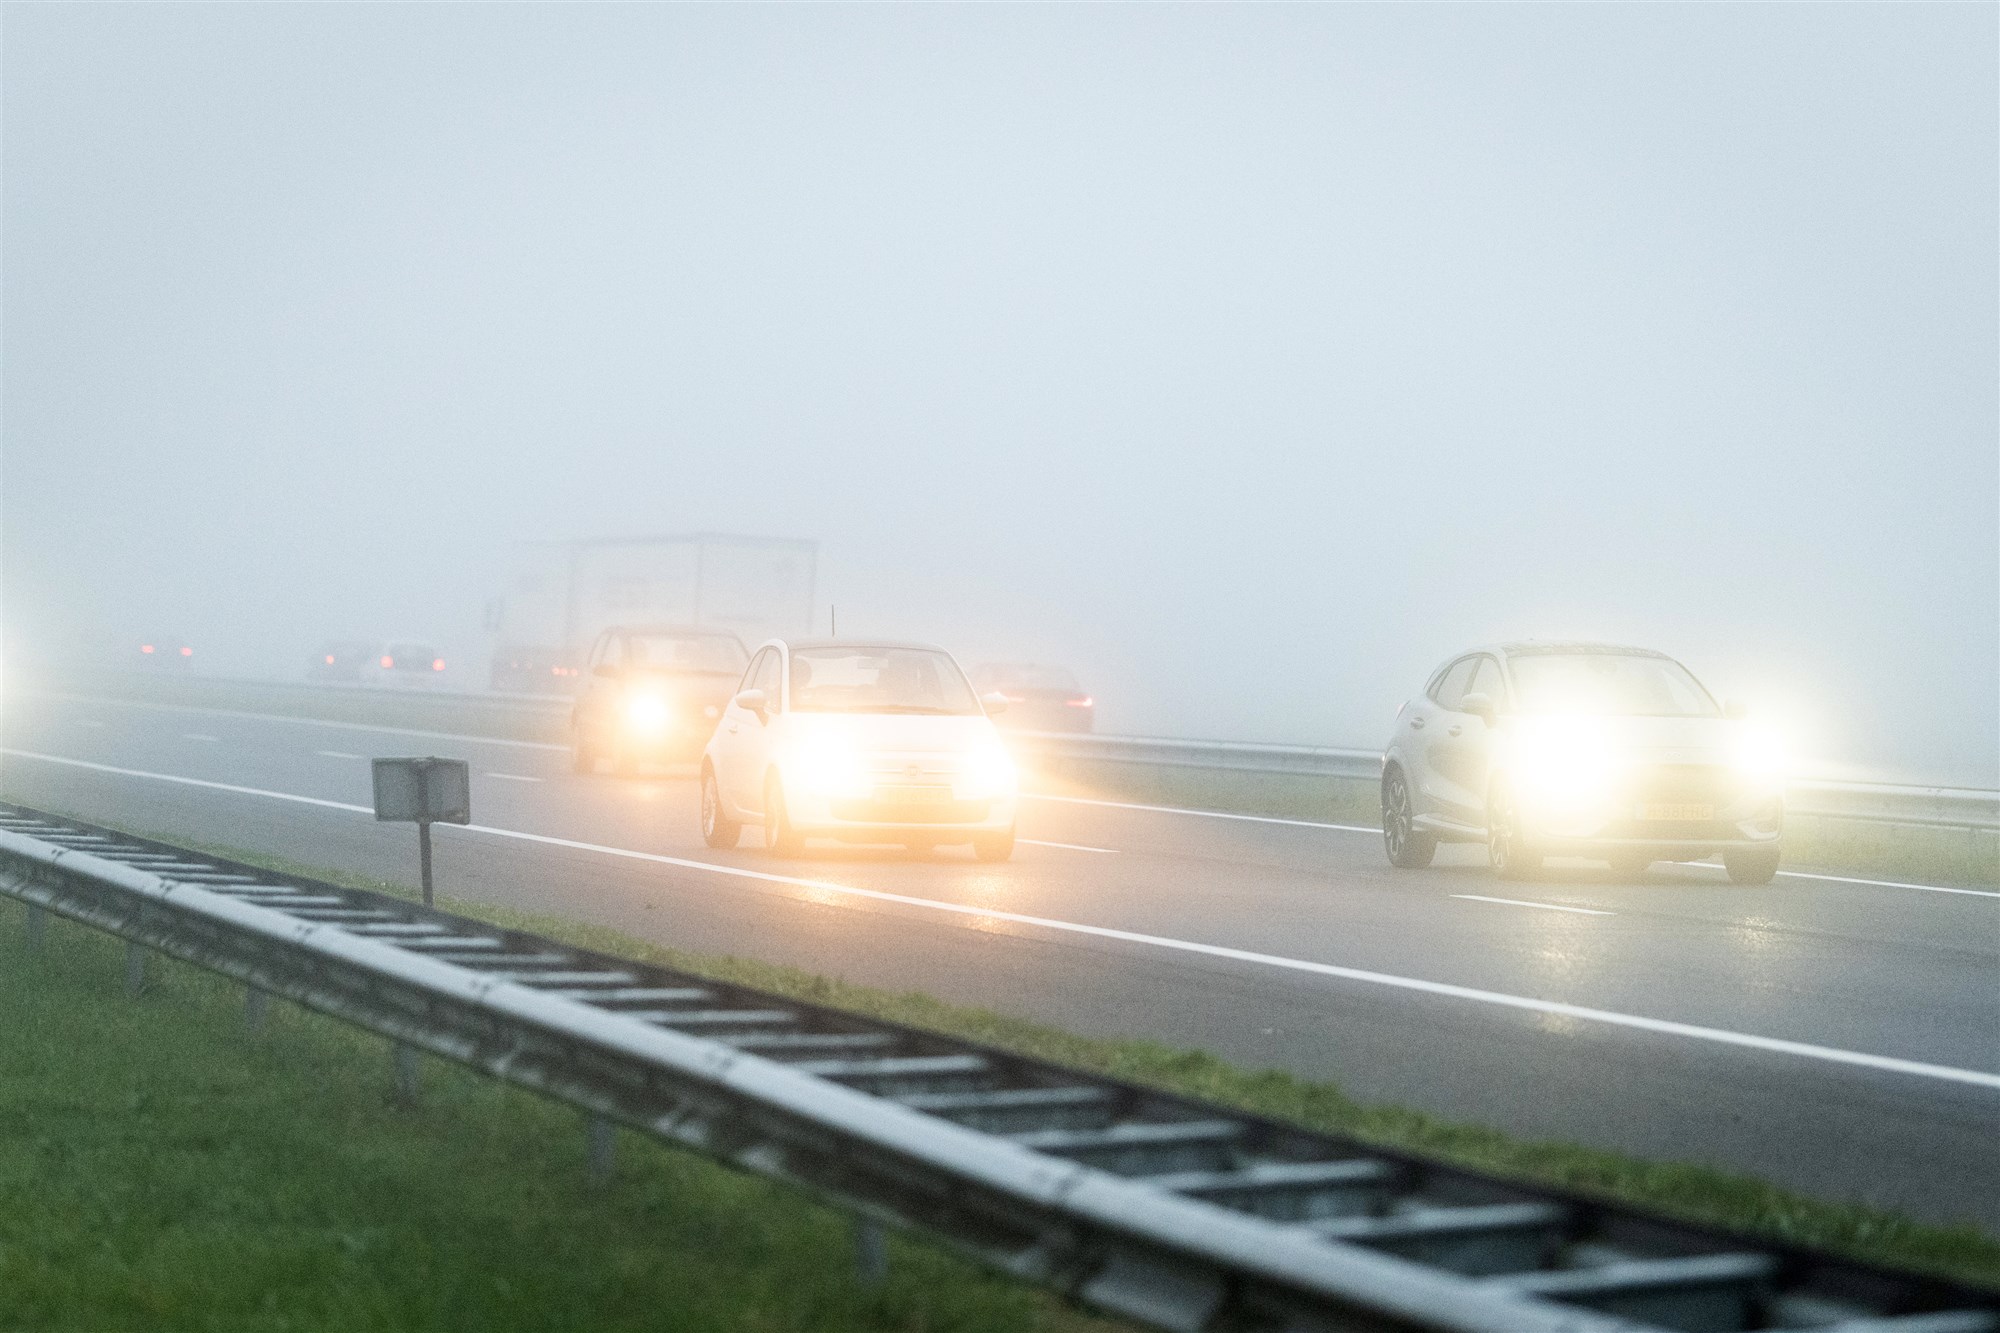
1978	1078
199	736
1067	846
315	722
339	754
511	777
1205	814
1890	884
1522	902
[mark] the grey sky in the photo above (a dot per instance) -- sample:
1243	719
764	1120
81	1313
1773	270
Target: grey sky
1247	359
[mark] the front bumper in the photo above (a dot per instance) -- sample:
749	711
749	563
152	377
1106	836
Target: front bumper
1669	810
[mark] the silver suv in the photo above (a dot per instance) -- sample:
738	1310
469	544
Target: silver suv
1580	749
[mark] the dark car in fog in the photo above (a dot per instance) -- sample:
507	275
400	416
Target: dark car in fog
652	693
1039	698
342	661
164	652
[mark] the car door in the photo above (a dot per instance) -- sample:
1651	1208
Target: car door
1430	724
1463	745
742	739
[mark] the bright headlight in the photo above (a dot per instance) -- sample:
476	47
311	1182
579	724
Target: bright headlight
647	712
1565	759
989	771
829	768
1759	753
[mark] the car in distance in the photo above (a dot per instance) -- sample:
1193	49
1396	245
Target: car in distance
341	661
652	693
166	652
1580	749
861	742
404	664
1039	698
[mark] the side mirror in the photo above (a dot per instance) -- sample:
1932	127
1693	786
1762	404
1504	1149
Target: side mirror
753	701
606	670
1735	709
993	703
1479	705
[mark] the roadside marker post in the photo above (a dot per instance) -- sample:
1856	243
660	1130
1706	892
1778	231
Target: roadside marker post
423	791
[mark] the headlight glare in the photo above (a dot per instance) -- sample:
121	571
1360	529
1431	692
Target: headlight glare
989	772
647	712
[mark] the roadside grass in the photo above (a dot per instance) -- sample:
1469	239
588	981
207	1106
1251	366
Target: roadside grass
1695	1193
164	1170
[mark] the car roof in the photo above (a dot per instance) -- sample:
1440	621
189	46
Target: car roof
1547	647
860	643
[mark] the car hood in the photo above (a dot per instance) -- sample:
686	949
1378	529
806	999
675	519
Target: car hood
896	733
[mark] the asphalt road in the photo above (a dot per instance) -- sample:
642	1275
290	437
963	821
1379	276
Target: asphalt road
1837	1036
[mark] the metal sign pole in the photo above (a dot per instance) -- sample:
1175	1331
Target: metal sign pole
424	855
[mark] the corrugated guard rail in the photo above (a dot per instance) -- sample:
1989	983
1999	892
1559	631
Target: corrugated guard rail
1170	1212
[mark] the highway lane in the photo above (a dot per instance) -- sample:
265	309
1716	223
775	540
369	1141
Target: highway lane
1852	967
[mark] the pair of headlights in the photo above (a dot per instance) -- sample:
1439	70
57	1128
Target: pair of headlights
985	772
1575	759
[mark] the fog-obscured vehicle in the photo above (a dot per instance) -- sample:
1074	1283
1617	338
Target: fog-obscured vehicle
164	652
1039	698
652	693
862	742
561	596
342	661
1580	749
404	664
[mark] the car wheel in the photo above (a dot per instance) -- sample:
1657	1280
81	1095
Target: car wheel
1751	865
1410	848
717	829
779	835
1508	849
994	846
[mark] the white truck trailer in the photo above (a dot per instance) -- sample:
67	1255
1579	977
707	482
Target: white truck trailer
560	595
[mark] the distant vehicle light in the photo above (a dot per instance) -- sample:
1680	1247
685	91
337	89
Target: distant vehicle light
437	664
187	652
555	671
387	662
1085	702
329	659
145	647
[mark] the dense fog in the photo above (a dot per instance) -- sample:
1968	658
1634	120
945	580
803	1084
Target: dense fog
1246	360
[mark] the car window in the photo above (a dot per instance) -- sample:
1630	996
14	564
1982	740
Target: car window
879	680
1488	681
1615	684
1452	688
717	654
764	676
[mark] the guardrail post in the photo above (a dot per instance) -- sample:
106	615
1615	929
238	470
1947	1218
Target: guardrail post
256	1007
38	921
404	1060
600	1139
135	969
871	1252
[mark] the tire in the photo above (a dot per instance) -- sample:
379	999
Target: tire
717	829
994	846
1508	849
1751	865
1409	848
779	835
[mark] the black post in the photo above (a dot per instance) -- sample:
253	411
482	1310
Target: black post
424	855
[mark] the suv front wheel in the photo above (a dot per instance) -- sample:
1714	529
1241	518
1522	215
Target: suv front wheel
1508	848
1409	847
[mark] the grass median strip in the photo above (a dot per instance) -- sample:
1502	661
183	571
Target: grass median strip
166	1171
1697	1193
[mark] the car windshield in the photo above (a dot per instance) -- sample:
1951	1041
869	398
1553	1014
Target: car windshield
719	654
879	680
1033	678
1618	684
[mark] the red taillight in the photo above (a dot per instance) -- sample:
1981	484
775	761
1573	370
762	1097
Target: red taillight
145	647
187	652
329	659
555	671
437	664
387	661
1085	702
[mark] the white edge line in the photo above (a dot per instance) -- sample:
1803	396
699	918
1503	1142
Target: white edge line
1205	814
1522	902
1889	884
339	754
511	777
311	722
1067	846
1554	1008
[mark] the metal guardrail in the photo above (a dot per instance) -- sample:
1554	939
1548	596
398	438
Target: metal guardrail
546	717
1165	1210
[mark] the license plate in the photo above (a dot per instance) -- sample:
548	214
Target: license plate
1677	813
913	795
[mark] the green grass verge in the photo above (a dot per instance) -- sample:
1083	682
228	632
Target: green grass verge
162	1170
1694	1193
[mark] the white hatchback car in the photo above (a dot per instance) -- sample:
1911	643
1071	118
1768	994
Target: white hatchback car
863	742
